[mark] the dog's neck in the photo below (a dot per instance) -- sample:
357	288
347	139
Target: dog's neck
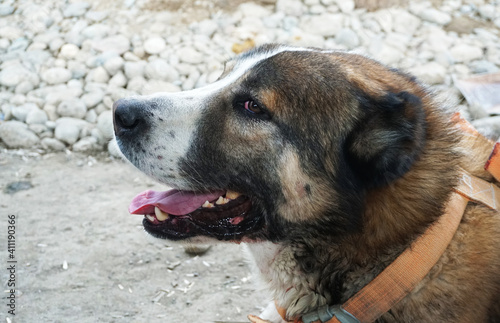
394	216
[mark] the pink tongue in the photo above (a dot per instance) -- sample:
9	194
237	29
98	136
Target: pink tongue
173	202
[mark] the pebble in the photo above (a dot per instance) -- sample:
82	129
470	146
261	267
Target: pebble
36	116
86	145
430	73
159	69
15	134
56	75
68	129
21	112
6	10
113	65
15	74
74	108
348	38
52	144
76	9
435	16
69	51
134	69
466	53
190	55
93	98
323	25
154	45
118	44
105	124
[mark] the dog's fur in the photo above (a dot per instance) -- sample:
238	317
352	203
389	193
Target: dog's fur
346	163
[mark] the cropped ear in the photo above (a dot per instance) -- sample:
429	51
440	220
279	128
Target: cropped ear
387	139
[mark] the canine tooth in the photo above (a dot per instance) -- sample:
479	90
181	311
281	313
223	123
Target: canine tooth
207	204
221	200
232	195
150	218
160	215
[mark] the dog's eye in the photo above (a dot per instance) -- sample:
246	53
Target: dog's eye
252	107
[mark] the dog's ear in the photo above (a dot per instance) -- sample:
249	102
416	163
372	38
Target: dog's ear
387	139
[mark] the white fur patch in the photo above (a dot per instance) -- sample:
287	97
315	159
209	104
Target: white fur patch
180	113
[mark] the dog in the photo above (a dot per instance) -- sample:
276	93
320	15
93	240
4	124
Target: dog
327	165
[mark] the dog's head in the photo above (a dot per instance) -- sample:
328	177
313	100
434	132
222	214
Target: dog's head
290	138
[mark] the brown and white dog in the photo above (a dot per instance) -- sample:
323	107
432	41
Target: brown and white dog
328	165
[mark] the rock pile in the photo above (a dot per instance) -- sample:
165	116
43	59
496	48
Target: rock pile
63	65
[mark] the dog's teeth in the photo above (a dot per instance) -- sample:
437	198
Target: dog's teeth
221	200
160	215
207	204
232	195
150	218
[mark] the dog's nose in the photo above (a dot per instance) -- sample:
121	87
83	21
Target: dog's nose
128	114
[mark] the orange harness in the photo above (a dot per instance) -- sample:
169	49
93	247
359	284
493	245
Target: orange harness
401	276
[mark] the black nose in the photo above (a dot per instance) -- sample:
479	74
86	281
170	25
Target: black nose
128	115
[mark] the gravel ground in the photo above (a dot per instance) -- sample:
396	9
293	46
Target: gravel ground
82	258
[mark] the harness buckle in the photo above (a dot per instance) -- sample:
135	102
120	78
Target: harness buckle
325	313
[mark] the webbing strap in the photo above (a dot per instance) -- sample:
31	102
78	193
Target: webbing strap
401	276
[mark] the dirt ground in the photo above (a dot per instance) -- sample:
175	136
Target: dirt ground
81	257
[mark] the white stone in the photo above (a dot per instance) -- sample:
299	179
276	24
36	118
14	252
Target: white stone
249	9
118	44
74	35
463	53
307	40
487	11
430	73
98	75
134	69
348	38
92	99
68	129
76	9
96	15
6	10
16	134
87	144
290	7
190	55
15	74
105	124
74	108
113	65
205	27
114	150
95	32
24	87
56	75
159	69
324	25
21	112
91	116
69	51
405	22
346	6
155	86
489	126
118	80
154	45
435	16
52	144
36	116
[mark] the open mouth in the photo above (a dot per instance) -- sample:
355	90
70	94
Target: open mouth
176	214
